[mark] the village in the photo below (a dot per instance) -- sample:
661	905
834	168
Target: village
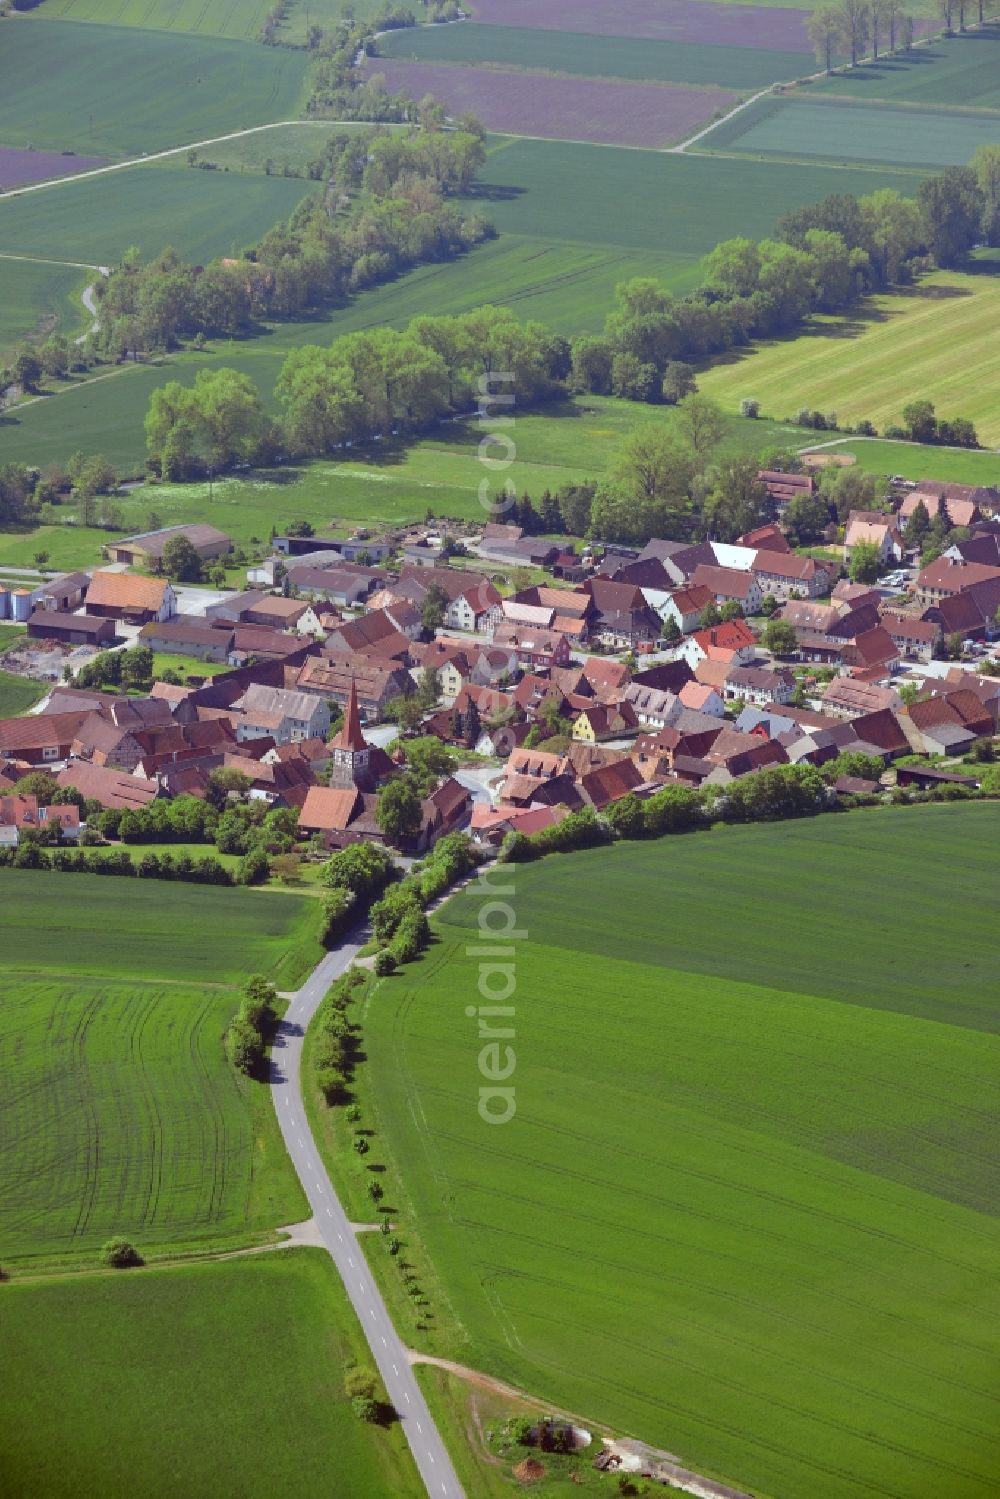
553	681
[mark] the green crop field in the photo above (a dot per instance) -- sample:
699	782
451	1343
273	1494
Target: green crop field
949	465
959	70
849	132
633	58
121	1113
936	340
201	214
37	298
223	1379
112	93
682	205
242	19
744	1207
18	694
174	933
234	18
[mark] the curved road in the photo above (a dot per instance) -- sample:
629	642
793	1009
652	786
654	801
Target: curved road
391	1358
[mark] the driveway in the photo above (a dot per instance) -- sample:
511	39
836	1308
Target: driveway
390	1355
479	779
191	600
381	734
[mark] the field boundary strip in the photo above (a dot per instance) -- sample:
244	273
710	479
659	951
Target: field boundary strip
143	161
76	265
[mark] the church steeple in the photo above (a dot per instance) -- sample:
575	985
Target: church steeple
350	736
350	748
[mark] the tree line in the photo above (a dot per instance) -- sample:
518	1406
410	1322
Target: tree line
404	217
854	25
372	384
365	385
823	258
337	86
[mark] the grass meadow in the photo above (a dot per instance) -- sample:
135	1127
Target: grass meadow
936	339
960	70
38	297
18	694
110	93
745	1208
223	1379
636	59
121	1112
891	135
294	146
385	485
913	461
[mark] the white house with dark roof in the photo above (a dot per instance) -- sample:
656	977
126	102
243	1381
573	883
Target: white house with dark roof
281	714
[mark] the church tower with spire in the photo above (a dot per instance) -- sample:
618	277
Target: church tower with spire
351	754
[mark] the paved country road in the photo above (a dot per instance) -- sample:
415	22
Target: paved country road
391	1357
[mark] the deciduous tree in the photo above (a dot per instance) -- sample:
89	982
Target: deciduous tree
826	33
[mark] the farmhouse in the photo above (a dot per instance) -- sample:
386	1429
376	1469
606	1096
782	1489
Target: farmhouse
344	586
129	597
375	631
111	735
733	643
683	605
40	738
782	489
187	637
110	787
757	684
652	706
703	697
765	539
282	715
959	504
782	575
598	723
869	528
538	650
23	812
260	643
444	811
949	575
845	697
474	607
376	685
915	638
871	650
146	549
729	585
